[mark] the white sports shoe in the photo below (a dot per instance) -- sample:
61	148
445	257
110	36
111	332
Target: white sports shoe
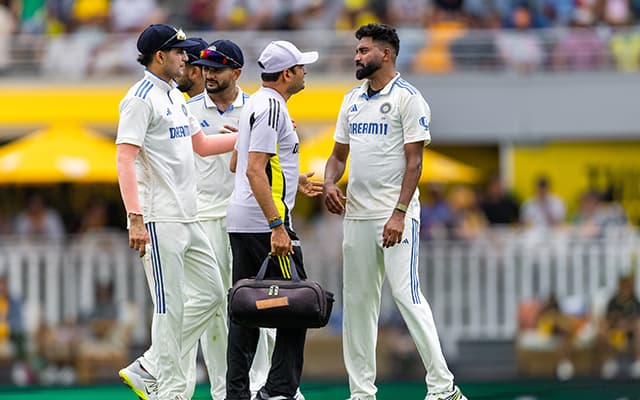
143	384
453	394
263	395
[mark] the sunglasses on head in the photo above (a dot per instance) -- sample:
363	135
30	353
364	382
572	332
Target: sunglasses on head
212	54
179	36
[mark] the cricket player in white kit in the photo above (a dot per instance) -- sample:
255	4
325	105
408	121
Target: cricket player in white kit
218	110
156	140
384	125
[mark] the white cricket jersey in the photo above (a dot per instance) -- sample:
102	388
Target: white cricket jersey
154	117
215	180
376	130
265	127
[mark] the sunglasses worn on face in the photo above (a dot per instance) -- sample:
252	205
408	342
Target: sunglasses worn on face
179	36
212	54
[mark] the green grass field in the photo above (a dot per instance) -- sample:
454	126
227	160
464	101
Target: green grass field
512	390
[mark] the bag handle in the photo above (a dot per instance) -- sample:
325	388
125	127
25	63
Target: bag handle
263	269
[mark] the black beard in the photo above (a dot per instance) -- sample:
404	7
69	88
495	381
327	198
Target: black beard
367	70
185	86
220	88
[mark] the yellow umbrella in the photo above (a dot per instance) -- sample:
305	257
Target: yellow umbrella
435	166
60	153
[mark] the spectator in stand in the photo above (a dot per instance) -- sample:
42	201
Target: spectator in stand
38	220
134	15
498	206
87	23
615	13
435	213
557	328
320	14
32	15
202	14
246	14
407	13
476	49
446	24
585	219
90	15
625	50
581	49
611	213
13	341
467	219
355	13
7	26
306	14
624	43
118	52
543	209
96	216
620	329
520	48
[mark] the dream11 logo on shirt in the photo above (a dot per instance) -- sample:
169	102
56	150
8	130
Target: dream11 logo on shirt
179	131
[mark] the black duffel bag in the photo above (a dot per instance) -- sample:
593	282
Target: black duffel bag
277	303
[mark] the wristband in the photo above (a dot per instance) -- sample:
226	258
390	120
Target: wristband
275	223
401	207
134	213
270	220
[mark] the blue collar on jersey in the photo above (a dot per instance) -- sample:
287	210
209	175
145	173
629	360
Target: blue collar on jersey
238	102
159	81
385	90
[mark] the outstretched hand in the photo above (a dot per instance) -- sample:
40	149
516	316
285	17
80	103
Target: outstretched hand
308	187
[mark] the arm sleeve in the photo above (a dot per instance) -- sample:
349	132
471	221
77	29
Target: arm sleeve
264	136
341	134
135	116
416	119
194	125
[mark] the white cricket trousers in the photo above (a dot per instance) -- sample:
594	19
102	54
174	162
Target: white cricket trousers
214	339
181	261
366	264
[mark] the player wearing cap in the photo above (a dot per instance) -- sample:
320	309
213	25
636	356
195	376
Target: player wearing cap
156	140
384	125
259	214
217	107
191	83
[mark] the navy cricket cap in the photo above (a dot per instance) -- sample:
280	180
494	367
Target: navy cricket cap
162	37
193	52
221	54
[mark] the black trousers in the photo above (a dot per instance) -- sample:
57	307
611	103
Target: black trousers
249	251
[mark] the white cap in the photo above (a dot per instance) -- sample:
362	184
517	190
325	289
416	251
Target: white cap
280	55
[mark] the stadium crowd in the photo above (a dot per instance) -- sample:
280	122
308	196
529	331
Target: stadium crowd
448	211
55	16
445	35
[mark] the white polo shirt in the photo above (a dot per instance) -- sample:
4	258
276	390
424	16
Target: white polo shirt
376	130
265	127
154	117
215	180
